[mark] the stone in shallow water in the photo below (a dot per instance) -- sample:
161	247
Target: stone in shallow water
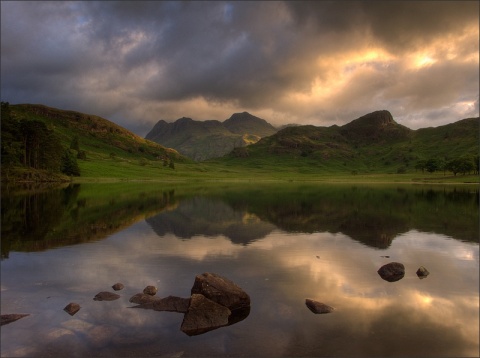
422	272
142	298
118	286
72	308
392	271
220	290
318	307
106	296
9	318
150	290
204	315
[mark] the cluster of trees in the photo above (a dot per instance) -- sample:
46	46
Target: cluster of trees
30	143
463	165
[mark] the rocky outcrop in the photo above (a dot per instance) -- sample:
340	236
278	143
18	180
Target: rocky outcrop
215	302
392	271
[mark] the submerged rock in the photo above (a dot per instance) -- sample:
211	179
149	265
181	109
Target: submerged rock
72	308
422	272
9	318
392	271
221	290
106	296
318	307
118	286
204	315
150	290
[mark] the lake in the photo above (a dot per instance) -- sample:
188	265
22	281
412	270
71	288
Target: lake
281	243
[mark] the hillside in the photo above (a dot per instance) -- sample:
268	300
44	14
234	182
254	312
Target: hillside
201	140
90	139
373	143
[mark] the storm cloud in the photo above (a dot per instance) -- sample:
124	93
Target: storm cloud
318	63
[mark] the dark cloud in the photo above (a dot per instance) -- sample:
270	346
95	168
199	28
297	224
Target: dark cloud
136	62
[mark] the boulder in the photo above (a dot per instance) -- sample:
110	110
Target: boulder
118	286
106	296
221	290
422	272
318	307
204	315
150	290
9	318
142	298
392	271
72	308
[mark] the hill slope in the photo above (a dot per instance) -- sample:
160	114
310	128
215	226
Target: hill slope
370	144
100	140
201	140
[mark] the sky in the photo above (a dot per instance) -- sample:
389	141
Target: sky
312	62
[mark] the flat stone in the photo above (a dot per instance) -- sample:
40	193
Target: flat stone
72	308
318	307
220	290
422	272
142	298
106	296
9	318
118	286
172	304
392	271
204	315
150	290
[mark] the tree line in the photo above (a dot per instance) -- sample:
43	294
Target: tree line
460	165
31	144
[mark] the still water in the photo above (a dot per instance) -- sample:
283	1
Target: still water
282	243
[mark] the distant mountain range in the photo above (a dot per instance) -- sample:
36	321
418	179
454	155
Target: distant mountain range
200	140
369	143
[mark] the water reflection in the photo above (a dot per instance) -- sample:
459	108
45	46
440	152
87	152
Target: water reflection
300	251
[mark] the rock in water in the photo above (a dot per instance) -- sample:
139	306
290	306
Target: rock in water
422	272
150	290
142	298
106	296
221	290
72	308
318	307
172	304
392	271
204	315
118	286
9	318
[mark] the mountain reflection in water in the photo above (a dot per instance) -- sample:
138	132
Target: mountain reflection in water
280	243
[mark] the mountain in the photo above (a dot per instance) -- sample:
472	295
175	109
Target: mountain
371	143
201	140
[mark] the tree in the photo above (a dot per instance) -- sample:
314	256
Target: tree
69	164
421	164
172	165
460	165
432	165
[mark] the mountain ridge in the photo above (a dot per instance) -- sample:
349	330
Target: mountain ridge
201	140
